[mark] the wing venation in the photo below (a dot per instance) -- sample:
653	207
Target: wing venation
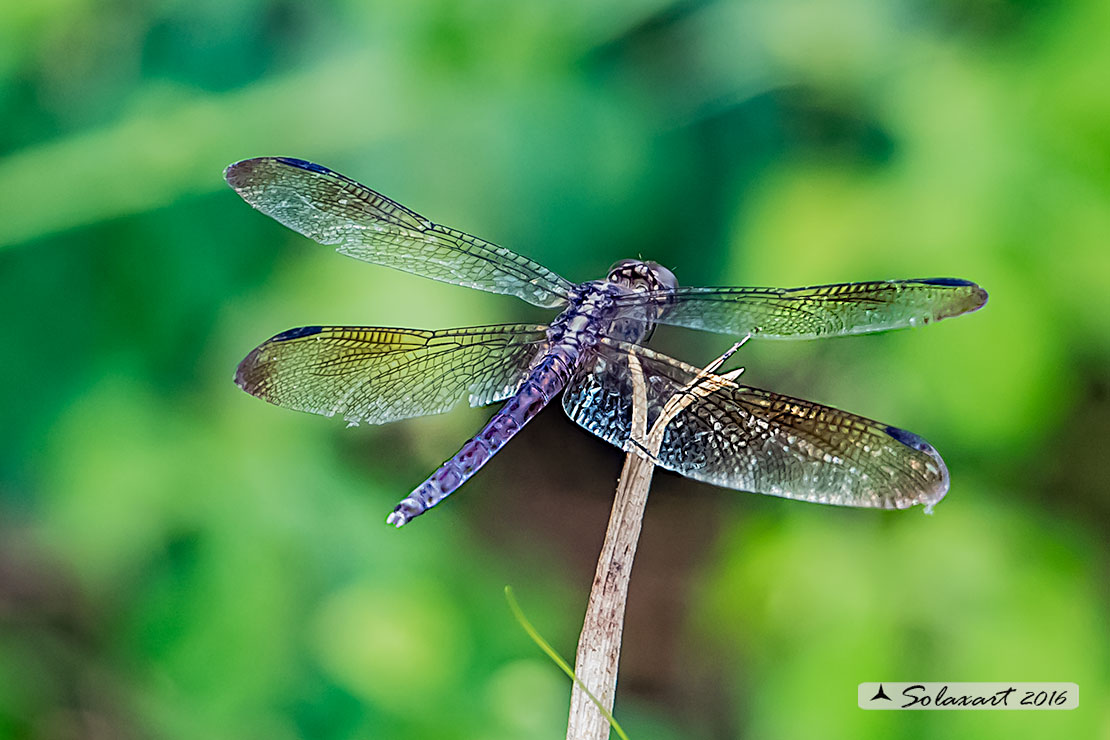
818	311
755	440
378	374
335	210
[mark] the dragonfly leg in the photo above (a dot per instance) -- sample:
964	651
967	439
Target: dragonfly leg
702	385
642	449
712	367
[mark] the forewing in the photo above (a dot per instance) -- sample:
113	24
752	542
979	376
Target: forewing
754	440
819	311
333	209
378	375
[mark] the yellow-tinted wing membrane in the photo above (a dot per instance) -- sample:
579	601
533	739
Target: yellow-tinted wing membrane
377	374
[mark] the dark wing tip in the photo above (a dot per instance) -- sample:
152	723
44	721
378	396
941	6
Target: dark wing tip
932	495
980	296
246	375
301	331
241	173
976	298
254	371
944	281
909	439
972	297
304	164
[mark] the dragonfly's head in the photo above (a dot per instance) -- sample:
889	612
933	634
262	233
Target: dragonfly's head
643	276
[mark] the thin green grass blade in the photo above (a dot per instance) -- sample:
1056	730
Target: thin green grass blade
544	646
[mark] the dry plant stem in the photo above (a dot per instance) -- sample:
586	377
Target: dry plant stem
599	644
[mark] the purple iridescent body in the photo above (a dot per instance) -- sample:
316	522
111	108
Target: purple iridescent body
576	330
733	435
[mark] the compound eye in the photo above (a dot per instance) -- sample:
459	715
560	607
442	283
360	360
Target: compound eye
622	270
665	277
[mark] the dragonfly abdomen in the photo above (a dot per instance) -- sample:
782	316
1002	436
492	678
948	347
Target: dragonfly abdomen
547	378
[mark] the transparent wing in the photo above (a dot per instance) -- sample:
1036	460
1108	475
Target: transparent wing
755	440
806	313
378	375
333	209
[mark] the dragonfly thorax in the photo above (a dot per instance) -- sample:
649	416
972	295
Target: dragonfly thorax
643	276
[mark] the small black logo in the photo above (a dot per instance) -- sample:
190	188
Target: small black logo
881	694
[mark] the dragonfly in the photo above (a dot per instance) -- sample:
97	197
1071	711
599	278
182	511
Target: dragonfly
730	435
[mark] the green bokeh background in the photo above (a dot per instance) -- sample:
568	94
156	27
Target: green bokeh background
179	560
